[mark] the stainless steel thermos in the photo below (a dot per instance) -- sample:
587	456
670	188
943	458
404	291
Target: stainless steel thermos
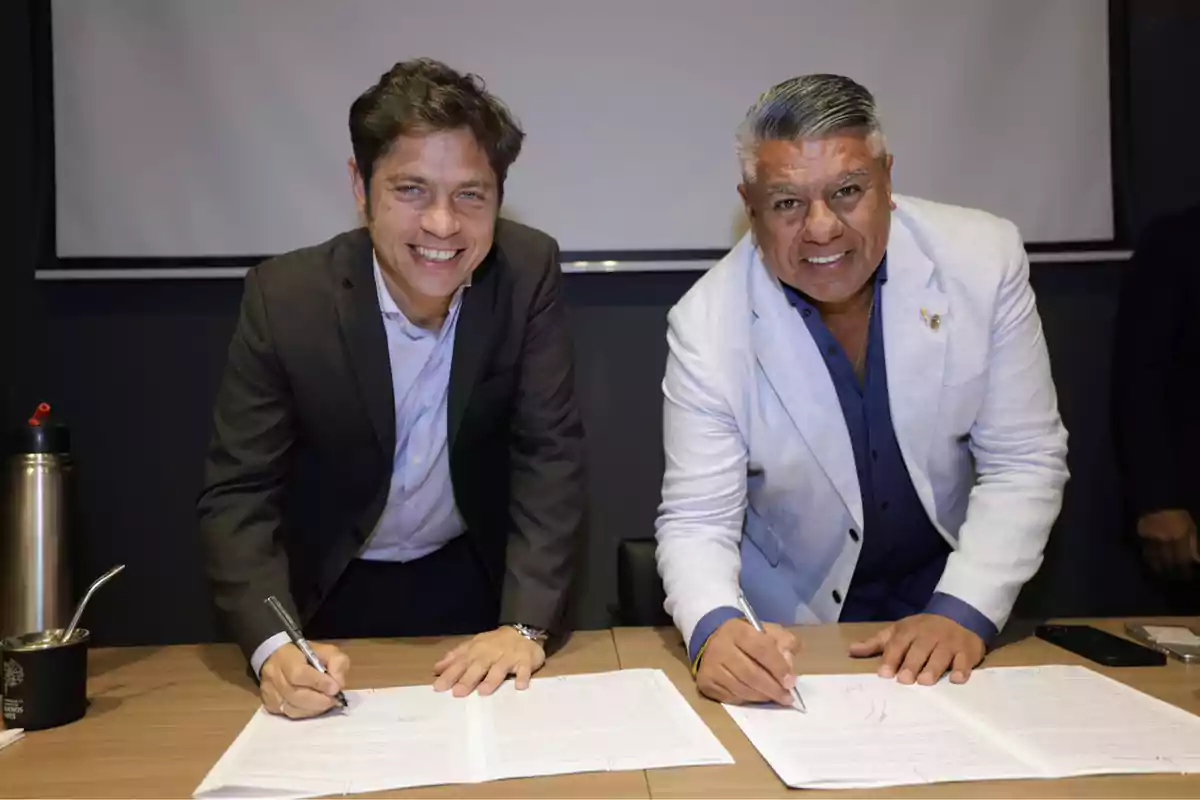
35	520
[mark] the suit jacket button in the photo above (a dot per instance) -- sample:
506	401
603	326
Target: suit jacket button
837	596
854	534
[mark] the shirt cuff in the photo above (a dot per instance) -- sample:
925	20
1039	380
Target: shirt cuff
705	628
962	612
264	651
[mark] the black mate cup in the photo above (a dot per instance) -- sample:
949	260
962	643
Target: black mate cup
44	679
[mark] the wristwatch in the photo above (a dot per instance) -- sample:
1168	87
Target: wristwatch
532	634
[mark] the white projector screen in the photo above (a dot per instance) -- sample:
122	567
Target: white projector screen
219	128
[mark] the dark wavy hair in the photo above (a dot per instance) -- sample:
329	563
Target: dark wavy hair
426	96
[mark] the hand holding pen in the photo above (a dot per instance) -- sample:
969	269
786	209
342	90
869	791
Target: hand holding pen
742	662
297	682
752	618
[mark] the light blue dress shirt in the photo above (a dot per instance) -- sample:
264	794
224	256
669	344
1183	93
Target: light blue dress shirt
420	515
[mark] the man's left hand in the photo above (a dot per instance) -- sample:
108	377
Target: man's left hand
921	648
487	660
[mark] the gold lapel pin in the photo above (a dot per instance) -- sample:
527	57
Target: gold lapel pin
934	321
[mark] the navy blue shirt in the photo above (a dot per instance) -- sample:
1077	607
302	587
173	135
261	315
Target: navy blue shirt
903	555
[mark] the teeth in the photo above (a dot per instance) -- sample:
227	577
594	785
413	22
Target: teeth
824	259
436	255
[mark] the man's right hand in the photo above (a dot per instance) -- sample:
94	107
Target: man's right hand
291	687
741	665
1168	541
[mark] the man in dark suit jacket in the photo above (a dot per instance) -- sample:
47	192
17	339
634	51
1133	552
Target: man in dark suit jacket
397	449
1157	352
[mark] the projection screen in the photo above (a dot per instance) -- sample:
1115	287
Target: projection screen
219	128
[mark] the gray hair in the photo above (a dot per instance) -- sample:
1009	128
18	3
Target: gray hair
809	106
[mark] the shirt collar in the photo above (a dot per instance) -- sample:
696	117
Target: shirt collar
387	303
389	309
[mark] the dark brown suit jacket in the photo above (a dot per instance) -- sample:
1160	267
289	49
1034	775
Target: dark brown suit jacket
301	457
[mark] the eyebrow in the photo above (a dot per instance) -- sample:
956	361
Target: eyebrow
854	175
788	188
475	183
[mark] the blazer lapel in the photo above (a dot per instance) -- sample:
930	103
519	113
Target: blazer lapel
797	372
473	336
364	337
916	322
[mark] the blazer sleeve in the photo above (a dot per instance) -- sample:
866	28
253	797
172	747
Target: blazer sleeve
1020	449
1149	324
546	465
239	507
699	526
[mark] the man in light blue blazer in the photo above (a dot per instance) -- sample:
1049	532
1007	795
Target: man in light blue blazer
860	421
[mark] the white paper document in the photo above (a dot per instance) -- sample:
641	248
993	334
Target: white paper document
414	736
9	736
864	731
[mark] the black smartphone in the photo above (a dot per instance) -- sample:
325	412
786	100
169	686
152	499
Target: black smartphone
1100	646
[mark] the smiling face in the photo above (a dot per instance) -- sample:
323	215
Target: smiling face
821	211
432	216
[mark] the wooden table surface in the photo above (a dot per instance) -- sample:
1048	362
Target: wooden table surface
161	717
824	652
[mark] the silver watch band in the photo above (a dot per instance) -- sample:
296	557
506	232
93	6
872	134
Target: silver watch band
532	634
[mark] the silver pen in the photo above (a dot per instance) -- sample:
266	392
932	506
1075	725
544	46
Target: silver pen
752	618
293	632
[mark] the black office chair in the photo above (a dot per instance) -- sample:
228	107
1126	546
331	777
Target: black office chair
640	593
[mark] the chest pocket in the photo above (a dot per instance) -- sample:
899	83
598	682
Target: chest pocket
489	406
495	387
965	378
